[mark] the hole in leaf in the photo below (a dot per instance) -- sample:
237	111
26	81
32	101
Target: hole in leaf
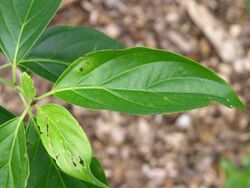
57	156
81	161
74	163
81	69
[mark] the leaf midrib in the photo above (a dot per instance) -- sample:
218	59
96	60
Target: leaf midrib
109	90
56	90
14	140
21	33
8	163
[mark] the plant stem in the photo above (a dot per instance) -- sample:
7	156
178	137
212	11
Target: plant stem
7	82
23	99
44	96
5	66
14	73
27	109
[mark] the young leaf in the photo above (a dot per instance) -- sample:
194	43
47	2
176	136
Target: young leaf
5	115
66	142
61	45
21	23
44	172
14	164
28	87
142	81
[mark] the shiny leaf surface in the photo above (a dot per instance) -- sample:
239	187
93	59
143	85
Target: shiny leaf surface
61	45
21	23
142	81
5	115
14	163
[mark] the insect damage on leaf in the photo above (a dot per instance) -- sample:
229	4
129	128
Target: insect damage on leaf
57	156
81	69
81	161
66	142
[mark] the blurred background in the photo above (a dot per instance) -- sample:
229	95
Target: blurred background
204	148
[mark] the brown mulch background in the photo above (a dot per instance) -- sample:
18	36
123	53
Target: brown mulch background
167	151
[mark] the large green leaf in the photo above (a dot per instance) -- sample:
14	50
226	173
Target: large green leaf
21	23
61	45
14	163
44	172
5	115
142	81
66	142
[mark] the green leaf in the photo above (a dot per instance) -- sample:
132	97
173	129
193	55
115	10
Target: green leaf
21	23
98	171
5	115
28	87
14	163
66	142
234	176
61	45
142	81
44	172
248	6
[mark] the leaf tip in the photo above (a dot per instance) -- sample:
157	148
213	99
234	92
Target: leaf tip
236	102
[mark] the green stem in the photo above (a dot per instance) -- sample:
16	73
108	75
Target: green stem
27	109
27	106
23	99
5	66
44	96
14	73
7	82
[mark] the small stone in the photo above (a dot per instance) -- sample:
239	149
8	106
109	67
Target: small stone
184	121
113	30
175	140
157	174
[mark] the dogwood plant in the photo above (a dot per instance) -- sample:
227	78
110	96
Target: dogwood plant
90	70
